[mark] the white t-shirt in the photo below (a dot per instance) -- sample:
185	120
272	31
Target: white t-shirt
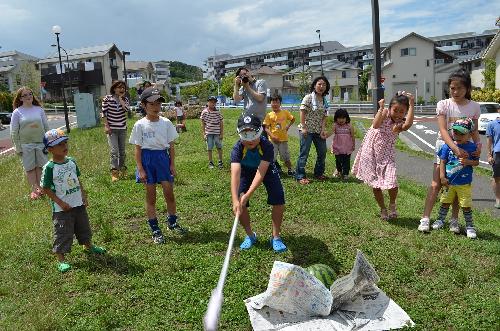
179	111
153	135
453	111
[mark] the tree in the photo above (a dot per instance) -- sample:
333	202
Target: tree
227	84
489	74
27	75
336	88
363	82
201	90
303	81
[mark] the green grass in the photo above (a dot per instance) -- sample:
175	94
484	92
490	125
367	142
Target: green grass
443	281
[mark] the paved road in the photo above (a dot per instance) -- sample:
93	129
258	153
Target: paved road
55	121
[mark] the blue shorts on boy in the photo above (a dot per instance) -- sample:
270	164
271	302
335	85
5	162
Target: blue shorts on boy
250	160
213	140
154	137
156	164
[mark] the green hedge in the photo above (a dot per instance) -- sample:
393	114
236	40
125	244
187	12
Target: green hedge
6	99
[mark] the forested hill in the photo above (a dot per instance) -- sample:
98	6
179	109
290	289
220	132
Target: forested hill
182	72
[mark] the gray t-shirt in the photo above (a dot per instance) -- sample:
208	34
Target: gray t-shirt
250	105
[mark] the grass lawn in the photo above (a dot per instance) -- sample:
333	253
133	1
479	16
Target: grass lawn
443	281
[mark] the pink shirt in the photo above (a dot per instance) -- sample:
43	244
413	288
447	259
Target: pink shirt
452	111
342	142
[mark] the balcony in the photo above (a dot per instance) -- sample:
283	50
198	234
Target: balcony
276	59
75	77
315	53
368	57
281	67
235	65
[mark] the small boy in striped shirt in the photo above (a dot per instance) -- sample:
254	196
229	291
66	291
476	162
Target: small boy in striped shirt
213	130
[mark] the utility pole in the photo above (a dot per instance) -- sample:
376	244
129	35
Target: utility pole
378	91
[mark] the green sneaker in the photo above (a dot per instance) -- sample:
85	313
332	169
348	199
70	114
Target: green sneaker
63	267
96	250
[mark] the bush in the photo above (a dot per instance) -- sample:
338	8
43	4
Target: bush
6	99
193	111
420	100
486	95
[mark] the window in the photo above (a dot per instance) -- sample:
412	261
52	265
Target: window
412	51
427	87
438	61
344	74
427	63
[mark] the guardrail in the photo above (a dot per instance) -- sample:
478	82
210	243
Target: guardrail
57	109
360	108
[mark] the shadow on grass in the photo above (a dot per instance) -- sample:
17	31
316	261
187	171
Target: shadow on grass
117	263
410	223
307	250
194	237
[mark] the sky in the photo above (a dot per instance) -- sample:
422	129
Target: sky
190	31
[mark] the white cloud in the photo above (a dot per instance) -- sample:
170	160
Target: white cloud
9	13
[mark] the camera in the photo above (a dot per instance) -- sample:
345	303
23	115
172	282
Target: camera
244	79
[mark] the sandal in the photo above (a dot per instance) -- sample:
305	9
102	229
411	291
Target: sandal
383	214
321	177
304	181
34	195
248	242
393	214
277	245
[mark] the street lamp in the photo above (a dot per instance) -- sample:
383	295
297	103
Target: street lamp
67	65
125	68
56	29
320	51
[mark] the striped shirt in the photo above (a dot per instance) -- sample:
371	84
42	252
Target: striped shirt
213	120
114	112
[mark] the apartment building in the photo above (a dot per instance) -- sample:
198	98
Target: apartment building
464	44
138	72
162	75
493	52
18	69
86	70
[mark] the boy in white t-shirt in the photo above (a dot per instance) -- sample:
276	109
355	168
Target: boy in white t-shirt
61	183
153	138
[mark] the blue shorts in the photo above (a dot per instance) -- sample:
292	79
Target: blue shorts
272	182
213	139
156	164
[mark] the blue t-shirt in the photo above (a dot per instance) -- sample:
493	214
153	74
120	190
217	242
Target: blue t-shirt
250	158
456	173
493	131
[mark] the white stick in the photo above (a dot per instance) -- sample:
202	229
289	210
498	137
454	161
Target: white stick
211	319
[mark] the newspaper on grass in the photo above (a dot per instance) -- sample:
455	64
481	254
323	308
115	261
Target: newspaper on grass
295	300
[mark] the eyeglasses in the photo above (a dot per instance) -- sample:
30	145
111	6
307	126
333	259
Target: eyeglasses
26	95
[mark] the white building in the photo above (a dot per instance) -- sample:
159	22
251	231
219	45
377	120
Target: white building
493	52
13	68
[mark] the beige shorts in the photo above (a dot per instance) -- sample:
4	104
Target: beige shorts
33	156
282	149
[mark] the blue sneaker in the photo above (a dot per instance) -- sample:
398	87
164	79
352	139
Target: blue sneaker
248	242
277	244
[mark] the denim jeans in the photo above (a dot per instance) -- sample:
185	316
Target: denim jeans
116	142
305	146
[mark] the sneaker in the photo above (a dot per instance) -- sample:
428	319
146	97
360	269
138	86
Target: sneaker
454	226
424	225
497	205
248	242
177	228
471	232
158	237
277	245
63	267
438	224
96	250
211	165
291	173
220	165
345	177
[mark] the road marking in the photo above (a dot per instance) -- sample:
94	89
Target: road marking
420	126
430	132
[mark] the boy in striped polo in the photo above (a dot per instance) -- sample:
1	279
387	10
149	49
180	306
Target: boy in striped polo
213	130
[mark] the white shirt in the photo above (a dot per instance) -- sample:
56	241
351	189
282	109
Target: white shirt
153	135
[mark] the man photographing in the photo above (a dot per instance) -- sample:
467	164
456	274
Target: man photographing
252	91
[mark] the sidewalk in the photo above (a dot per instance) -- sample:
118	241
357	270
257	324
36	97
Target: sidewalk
419	170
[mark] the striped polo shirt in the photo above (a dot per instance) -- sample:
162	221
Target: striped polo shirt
114	112
212	120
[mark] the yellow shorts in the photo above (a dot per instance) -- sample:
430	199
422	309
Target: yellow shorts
464	193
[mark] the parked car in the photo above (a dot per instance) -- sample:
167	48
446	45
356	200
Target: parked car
5	117
489	112
166	106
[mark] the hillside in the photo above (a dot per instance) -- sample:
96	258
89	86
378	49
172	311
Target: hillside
182	72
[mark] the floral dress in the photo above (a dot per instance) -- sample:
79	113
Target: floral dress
375	163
